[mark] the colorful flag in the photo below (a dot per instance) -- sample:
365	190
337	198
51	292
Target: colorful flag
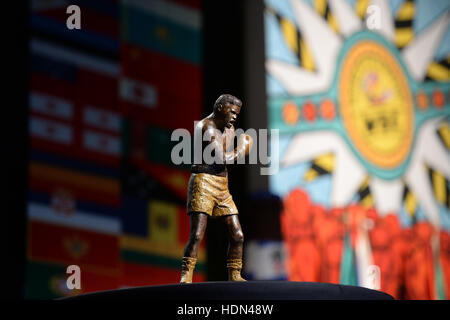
160	145
176	180
85	186
150	148
163	26
165	235
138	92
135	274
99	24
138	183
154	144
79	94
163	224
49	280
67	245
170	88
89	66
59	160
62	208
52	131
167	74
102	143
51	105
101	119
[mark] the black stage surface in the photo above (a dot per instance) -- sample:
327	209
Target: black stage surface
250	290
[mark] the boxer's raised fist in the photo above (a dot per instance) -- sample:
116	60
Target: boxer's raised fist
245	142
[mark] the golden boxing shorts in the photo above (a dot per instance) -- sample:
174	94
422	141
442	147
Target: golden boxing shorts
209	194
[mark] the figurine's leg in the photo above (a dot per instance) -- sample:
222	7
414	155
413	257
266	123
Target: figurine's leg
236	244
198	221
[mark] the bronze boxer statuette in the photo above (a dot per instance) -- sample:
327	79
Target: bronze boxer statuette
208	193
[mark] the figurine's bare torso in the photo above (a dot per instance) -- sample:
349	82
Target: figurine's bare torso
223	138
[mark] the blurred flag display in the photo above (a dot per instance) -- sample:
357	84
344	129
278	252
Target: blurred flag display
363	110
104	99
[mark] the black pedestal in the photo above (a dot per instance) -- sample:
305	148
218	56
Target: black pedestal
250	290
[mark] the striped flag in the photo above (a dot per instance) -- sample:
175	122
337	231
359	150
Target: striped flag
102	119
60	244
138	92
73	164
142	274
50	130
163	222
86	186
102	143
49	280
72	57
87	79
162	71
101	131
82	95
159	147
164	238
62	208
99	23
169	28
151	143
51	105
152	90
174	179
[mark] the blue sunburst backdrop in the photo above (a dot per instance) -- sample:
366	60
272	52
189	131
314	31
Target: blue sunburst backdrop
360	93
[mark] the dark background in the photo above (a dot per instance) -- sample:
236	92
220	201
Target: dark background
16	97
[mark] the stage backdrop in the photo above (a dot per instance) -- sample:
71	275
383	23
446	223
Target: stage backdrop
360	93
103	101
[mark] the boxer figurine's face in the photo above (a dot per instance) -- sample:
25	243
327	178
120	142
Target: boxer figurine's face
229	114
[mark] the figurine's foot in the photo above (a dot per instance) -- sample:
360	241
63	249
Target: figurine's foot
235	275
187	269
186	277
234	270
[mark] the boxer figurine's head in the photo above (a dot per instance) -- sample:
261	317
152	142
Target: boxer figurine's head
226	109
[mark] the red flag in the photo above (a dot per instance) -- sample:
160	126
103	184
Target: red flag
174	179
170	88
54	243
143	275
